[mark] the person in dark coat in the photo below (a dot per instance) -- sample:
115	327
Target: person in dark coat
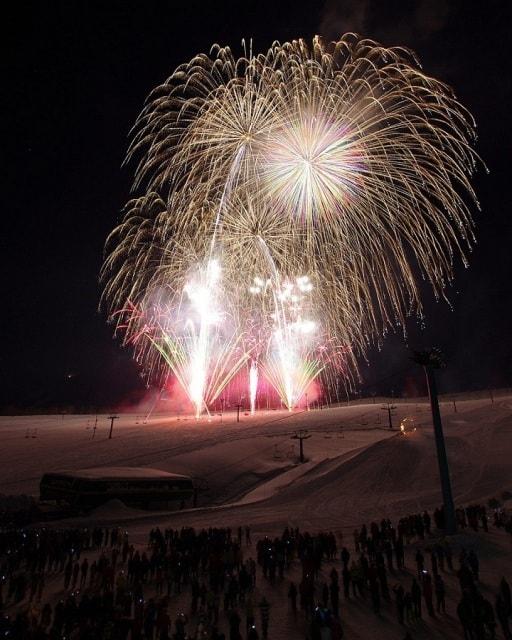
292	595
375	595
440	594
334	591
400	602
264	607
234	626
502	614
465	614
416	598
427	593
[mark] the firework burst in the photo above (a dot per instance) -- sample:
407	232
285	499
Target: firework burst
342	161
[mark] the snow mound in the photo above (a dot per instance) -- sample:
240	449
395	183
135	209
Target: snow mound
114	508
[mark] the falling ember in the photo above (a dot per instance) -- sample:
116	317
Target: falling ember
253	385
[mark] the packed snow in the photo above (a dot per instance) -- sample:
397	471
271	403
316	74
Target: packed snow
356	467
356	470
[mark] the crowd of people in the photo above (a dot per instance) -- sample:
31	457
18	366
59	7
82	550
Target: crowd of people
214	584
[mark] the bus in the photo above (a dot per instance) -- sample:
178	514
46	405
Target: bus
134	486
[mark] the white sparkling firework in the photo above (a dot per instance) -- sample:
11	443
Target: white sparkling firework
344	160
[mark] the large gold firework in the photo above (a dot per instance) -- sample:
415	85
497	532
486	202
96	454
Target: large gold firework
342	161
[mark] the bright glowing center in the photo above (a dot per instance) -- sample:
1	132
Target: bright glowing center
309	167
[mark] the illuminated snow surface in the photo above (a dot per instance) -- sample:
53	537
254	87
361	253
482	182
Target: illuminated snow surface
356	470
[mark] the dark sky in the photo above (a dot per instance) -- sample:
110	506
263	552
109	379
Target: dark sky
77	74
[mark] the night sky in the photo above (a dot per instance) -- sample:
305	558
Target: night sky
77	74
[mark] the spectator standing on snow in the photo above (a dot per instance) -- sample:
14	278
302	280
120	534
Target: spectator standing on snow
420	562
427	593
449	556
505	592
84	568
440	594
253	633
76	570
249	613
400	602
375	595
356	540
67	574
234	625
426	522
292	595
474	564
345	556
334	590
264	607
346	582
408	607
465	614
502	613
416	598
325	595
434	562
180	624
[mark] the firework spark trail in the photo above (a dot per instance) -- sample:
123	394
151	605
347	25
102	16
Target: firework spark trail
253	385
201	298
196	361
233	173
199	357
203	354
346	159
289	364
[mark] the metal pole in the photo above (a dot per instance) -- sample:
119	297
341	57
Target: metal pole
300	436
442	458
389	408
112	418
